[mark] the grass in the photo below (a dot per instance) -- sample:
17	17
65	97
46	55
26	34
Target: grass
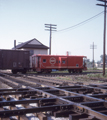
99	75
94	78
64	78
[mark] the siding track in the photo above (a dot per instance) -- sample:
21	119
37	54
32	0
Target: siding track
45	98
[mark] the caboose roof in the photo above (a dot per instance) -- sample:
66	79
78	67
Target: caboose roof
31	44
59	55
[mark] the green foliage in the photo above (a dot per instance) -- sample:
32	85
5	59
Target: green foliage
105	76
99	75
94	75
102	58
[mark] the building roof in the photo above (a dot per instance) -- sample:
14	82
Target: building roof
31	44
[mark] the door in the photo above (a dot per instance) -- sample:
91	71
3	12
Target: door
38	61
63	62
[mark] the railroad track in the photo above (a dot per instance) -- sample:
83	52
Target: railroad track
63	74
74	101
52	74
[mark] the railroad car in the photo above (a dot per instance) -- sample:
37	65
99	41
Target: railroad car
16	60
45	63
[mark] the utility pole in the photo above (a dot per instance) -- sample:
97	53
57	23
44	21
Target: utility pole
104	40
93	47
51	27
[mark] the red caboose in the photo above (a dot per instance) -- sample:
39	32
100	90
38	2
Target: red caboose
45	63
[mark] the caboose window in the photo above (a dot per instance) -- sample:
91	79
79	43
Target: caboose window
77	65
63	61
44	60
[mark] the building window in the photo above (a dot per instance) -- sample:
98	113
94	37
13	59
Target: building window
59	61
63	61
31	52
44	60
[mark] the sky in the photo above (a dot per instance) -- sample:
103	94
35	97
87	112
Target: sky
23	20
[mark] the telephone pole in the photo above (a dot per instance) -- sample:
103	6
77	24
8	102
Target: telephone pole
93	47
51	27
104	40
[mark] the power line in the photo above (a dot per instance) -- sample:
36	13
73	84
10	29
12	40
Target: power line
81	23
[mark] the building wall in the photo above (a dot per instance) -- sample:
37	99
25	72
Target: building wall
41	51
37	51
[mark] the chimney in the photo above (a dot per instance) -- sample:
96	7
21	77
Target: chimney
67	53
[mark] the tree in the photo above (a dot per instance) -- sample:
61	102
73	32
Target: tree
102	59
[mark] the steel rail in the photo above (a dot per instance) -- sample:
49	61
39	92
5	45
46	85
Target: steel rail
76	107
